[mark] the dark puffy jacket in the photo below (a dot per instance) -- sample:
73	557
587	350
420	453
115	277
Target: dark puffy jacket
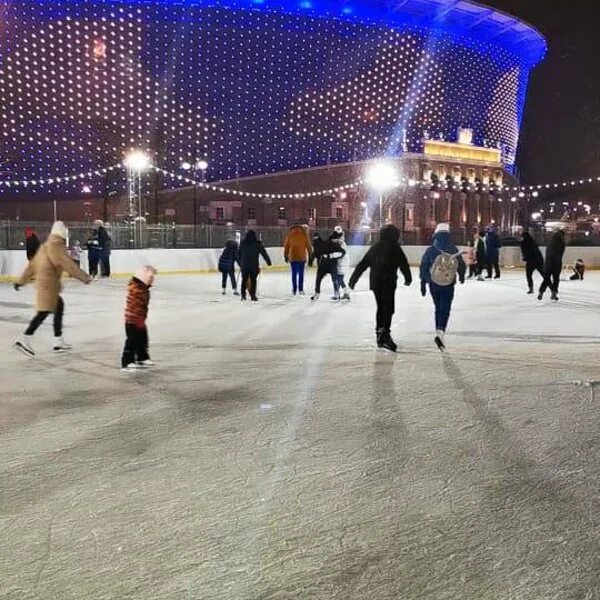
229	257
32	245
442	242
480	252
531	251
384	259
250	251
492	246
104	241
326	252
555	251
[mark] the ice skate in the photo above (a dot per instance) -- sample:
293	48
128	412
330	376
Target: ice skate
439	340
554	297
132	368
530	291
541	296
480	278
243	298
224	292
146	364
254	299
385	341
315	297
346	295
336	296
23	344
301	293
60	345
236	293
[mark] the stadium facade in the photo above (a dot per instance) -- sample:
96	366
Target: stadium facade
256	86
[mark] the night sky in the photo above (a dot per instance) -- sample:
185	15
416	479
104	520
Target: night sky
560	136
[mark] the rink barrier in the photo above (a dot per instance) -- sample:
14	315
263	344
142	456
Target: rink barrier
200	261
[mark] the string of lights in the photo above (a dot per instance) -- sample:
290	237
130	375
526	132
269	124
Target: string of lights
57	180
278	196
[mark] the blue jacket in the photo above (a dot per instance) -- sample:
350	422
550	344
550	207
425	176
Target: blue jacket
442	242
229	257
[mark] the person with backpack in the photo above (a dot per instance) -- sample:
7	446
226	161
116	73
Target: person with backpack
532	256
480	254
227	260
384	259
250	251
553	265
440	266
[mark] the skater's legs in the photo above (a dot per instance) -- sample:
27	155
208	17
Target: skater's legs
131	344
105	266
547	283
253	276
301	266
472	270
245	277
385	298
322	270
58	317
555	280
223	279
141	350
529	269
297	279
93	259
497	268
442	300
232	279
37	320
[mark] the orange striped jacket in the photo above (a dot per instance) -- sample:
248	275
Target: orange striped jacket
138	298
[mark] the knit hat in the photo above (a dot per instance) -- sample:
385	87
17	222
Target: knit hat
60	229
98	223
442	228
146	274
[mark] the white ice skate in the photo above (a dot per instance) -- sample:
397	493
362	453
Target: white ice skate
132	368
439	340
60	345
146	364
23	344
346	295
315	296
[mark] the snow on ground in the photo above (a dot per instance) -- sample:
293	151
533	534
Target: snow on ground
275	454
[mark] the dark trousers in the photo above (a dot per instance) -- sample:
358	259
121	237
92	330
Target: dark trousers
473	270
249	283
551	280
136	345
385	298
323	270
105	266
530	269
297	276
231	275
93	260
495	265
338	282
40	317
442	299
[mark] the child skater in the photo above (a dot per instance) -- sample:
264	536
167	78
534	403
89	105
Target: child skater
578	270
384	259
229	257
341	266
440	265
471	259
135	353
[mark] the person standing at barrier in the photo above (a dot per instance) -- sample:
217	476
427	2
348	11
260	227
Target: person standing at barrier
532	256
47	268
384	259
480	254
553	265
296	251
94	251
105	242
251	249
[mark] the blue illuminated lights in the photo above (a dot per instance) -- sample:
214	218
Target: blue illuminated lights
255	90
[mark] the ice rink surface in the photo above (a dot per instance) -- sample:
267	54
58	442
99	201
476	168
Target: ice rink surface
275	454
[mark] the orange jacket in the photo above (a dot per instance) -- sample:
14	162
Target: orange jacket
297	246
136	307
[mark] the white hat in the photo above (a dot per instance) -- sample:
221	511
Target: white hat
98	223
60	229
442	228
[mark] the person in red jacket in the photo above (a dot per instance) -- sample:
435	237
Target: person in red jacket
135	353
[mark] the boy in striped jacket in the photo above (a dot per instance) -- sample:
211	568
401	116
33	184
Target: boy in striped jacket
135	353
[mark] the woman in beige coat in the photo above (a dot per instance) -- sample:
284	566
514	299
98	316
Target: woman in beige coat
47	267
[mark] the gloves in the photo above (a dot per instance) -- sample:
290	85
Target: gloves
423	288
16	287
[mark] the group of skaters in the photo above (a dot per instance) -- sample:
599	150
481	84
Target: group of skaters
442	267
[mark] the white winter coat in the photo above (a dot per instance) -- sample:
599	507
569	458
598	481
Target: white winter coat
343	264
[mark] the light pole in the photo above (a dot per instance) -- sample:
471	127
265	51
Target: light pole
199	166
381	177
137	162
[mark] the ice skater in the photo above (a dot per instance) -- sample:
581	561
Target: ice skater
471	259
578	270
32	243
480	254
553	265
326	253
75	253
440	266
384	259
227	260
297	250
47	268
532	256
94	251
341	267
250	251
135	353
492	252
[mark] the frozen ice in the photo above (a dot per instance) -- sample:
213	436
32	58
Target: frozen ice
274	453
